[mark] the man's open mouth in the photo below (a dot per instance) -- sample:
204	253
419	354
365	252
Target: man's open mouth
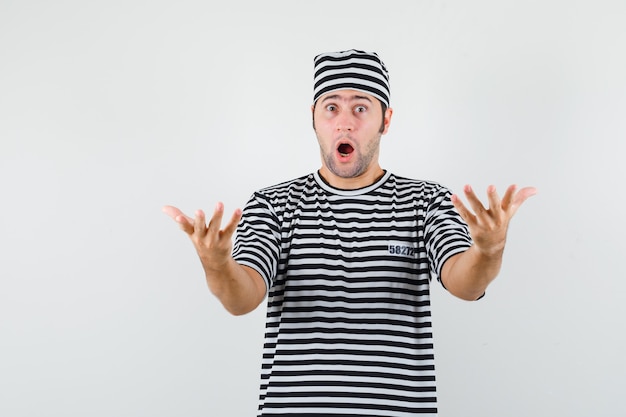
345	149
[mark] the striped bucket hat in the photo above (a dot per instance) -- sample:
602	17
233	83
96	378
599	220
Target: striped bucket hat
353	70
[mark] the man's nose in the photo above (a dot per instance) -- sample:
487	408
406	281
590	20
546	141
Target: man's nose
345	122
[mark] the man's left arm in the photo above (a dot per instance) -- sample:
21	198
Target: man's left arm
467	274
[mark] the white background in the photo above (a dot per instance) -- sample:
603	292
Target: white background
111	109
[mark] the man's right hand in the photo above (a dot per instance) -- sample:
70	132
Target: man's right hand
240	288
214	245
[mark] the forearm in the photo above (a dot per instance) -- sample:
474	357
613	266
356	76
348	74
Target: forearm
240	289
467	275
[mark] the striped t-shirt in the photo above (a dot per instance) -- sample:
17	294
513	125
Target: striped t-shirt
348	328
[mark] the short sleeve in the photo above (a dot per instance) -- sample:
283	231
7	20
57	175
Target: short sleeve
446	233
257	241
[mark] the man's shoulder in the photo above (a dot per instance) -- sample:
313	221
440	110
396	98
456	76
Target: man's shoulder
416	185
299	183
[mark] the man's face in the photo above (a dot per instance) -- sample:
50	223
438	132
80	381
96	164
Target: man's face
348	128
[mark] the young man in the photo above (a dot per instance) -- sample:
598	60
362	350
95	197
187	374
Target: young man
345	256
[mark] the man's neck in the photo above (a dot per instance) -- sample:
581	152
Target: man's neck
353	183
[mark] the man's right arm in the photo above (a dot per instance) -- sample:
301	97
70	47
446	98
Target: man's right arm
239	288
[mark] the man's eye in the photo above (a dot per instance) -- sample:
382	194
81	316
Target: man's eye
360	109
331	107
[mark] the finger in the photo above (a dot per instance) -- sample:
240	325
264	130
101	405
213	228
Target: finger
216	220
174	213
230	228
493	198
508	197
199	224
184	222
473	201
521	196
462	210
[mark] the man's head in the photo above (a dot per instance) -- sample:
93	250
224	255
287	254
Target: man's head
350	113
351	70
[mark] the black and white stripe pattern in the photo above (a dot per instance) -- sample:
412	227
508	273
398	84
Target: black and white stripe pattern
348	316
353	70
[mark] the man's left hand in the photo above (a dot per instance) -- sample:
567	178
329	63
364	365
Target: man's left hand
488	226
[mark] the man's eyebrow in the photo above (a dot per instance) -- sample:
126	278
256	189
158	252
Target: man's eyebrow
351	98
355	97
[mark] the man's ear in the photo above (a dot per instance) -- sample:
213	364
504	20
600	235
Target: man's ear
386	120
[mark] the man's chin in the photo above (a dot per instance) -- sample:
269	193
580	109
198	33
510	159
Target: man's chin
346	173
